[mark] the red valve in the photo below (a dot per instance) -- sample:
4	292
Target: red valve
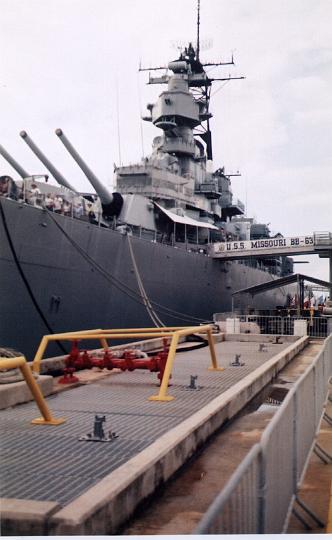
127	361
68	377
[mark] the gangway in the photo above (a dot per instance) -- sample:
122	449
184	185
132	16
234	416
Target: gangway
319	243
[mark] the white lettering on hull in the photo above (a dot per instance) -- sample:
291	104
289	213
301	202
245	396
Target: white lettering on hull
268	243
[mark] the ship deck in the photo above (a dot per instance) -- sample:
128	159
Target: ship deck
72	483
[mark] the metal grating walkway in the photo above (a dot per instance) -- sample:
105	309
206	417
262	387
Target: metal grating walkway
50	463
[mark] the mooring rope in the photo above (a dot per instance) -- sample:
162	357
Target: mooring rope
152	314
131	293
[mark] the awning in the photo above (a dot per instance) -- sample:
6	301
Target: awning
186	220
282	282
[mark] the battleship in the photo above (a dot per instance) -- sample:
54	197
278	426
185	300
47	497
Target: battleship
139	255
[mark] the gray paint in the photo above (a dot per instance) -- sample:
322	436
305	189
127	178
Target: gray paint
105	196
55	173
190	283
22	172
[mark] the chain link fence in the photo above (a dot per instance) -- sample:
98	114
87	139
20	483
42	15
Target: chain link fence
259	495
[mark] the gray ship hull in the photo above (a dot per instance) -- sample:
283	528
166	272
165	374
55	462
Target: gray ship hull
79	276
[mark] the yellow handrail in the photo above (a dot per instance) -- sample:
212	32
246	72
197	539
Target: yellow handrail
101	335
175	332
206	329
21	363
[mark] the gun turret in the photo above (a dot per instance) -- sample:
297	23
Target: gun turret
111	202
54	172
105	196
13	163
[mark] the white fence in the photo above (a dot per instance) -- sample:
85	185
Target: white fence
259	495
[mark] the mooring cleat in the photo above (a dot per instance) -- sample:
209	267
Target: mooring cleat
193	383
90	437
237	362
98	434
193	379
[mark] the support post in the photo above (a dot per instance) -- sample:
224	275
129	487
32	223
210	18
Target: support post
39	354
330	274
214	366
21	363
298	309
301	296
104	344
168	370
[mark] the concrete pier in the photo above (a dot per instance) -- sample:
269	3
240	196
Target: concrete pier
95	487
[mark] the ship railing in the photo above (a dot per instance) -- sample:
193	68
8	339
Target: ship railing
67	204
76	206
144	165
261	265
260	495
147	186
153	192
80	208
193	243
323	238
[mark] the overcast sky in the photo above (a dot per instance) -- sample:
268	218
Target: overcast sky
74	64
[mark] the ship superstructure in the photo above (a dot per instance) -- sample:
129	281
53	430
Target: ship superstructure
176	175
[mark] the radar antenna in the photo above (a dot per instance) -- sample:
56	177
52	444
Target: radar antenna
198	80
198	23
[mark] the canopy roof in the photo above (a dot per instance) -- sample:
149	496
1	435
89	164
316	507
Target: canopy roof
282	282
186	220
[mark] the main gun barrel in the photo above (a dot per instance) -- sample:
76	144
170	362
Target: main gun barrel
106	197
54	172
13	163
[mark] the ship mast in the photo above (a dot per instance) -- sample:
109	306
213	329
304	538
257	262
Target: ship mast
198	23
190	69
